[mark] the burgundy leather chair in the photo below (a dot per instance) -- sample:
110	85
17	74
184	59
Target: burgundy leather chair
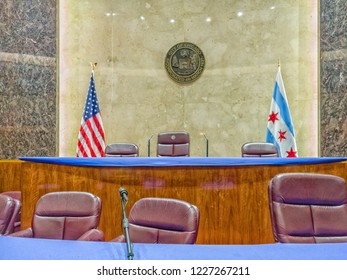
122	150
259	149
173	144
17	195
308	208
162	220
66	215
9	211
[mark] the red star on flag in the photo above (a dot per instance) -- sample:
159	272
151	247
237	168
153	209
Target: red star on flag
291	153
273	117
282	135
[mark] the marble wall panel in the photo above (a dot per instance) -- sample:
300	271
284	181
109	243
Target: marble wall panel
28	78
28	27
333	77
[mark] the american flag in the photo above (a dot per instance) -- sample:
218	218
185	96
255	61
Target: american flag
280	129
91	137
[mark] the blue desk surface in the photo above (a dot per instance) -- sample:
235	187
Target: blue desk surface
17	248
180	161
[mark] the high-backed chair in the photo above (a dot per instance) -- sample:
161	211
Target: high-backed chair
66	215
162	220
259	149
122	150
9	210
308	208
173	144
17	195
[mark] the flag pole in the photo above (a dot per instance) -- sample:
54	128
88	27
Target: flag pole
93	65
91	124
279	64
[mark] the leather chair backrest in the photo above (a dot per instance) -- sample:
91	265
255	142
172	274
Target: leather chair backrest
14	194
308	208
9	209
122	150
163	220
65	215
259	149
17	195
173	144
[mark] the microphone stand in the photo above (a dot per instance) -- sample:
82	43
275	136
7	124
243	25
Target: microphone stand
126	231
149	145
206	144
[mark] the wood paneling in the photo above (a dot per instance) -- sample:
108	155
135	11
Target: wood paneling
232	200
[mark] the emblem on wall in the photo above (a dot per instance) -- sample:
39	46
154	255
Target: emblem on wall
184	62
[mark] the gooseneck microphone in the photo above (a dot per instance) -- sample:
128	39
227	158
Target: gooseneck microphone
123	194
124	200
206	139
149	146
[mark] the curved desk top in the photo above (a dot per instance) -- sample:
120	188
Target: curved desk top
179	161
18	248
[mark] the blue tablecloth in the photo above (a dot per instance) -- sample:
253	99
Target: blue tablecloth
180	161
17	248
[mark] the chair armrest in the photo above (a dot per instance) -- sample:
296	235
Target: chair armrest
119	238
93	235
23	233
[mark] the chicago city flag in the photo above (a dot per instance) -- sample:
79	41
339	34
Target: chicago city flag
91	137
280	129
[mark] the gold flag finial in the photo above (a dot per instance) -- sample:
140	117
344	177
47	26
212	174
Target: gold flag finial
93	65
279	64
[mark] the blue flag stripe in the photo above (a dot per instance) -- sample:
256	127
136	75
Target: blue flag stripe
270	138
282	104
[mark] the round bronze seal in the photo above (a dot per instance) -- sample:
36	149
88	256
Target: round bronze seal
184	62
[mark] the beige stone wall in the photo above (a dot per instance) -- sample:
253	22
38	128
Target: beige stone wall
231	100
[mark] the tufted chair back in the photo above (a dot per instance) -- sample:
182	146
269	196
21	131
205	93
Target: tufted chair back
308	208
17	196
9	213
162	220
122	150
173	144
259	149
66	215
